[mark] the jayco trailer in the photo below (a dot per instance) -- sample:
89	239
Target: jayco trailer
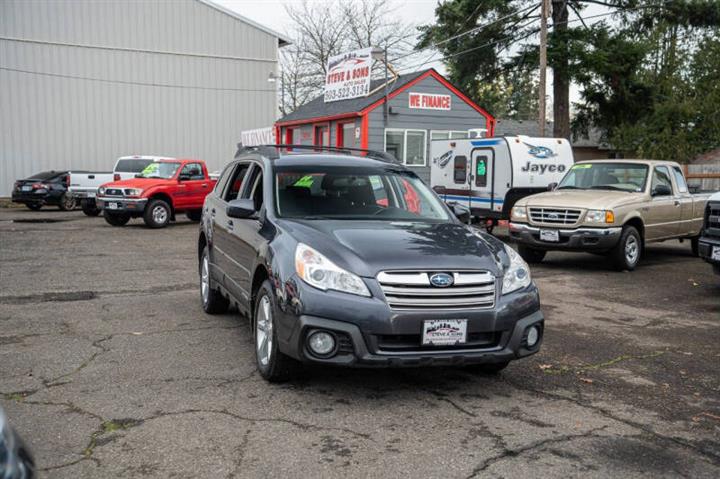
490	174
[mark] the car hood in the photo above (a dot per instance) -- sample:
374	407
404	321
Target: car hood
142	183
368	247
586	199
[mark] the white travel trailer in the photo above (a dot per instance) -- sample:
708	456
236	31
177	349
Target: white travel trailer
490	174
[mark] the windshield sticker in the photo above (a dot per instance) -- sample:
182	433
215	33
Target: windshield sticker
150	169
481	168
305	181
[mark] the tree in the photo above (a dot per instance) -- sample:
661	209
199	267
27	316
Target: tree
325	28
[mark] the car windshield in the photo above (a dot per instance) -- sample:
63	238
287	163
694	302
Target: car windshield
355	193
160	169
630	177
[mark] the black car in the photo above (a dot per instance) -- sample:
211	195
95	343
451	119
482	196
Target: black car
353	261
709	243
16	461
46	188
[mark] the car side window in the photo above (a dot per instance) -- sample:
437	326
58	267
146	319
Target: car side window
661	176
460	169
236	182
223	180
193	171
255	192
680	180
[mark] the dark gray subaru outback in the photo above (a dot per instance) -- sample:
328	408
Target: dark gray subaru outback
351	260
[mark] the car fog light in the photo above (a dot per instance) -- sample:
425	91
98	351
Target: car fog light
321	343
532	336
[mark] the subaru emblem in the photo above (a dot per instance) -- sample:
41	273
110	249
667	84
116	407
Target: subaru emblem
441	280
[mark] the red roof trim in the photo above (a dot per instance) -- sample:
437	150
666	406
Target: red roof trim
318	119
490	119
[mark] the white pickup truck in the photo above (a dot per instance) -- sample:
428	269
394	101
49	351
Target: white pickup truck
84	184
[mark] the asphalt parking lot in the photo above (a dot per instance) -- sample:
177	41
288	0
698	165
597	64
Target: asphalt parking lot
109	368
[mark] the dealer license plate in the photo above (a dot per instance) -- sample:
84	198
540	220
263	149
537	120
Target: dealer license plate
550	235
26	188
444	332
715	253
112	206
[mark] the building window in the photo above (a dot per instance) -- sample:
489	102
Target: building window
322	135
448	135
346	135
408	146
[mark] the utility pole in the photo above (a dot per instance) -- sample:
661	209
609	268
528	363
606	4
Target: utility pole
543	66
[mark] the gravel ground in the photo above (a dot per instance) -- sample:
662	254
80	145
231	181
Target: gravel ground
109	368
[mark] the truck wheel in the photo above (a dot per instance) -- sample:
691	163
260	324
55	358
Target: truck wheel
34	206
273	365
626	254
212	301
67	202
194	215
157	214
531	255
89	209
695	245
115	219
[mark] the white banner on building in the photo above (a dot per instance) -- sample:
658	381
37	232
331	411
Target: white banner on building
429	101
348	75
259	136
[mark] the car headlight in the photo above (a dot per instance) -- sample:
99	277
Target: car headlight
318	271
101	190
133	192
517	275
518	213
600	216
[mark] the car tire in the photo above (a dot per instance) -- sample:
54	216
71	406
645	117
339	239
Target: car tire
34	206
88	209
194	215
157	214
115	219
273	365
531	255
212	301
695	246
489	368
67	202
626	254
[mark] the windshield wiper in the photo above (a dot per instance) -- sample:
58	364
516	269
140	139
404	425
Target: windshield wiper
568	187
608	187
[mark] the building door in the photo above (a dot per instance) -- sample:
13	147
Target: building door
322	135
347	135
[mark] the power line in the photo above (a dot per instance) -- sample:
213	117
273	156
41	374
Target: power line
467	32
129	82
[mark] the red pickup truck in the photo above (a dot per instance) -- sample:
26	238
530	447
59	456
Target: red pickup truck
162	190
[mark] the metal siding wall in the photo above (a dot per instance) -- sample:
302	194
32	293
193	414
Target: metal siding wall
50	122
461	117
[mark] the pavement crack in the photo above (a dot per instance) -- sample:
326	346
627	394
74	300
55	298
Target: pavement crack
48	383
240	451
707	454
510	453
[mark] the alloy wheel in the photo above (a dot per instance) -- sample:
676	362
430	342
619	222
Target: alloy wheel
205	280
264	331
159	214
632	250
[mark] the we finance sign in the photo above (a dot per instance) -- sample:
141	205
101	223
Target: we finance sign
427	101
348	75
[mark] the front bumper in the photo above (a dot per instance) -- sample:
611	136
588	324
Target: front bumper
121	205
705	249
369	334
577	239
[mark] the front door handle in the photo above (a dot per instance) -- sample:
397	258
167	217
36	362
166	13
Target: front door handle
677	203
212	213
204	185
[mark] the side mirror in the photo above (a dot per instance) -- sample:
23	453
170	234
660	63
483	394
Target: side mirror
661	190
242	208
552	186
461	212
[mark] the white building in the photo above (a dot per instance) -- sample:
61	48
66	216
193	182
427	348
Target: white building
83	82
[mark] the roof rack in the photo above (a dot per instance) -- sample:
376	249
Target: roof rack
273	151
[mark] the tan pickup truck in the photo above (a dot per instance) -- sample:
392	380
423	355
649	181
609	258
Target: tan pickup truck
611	207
